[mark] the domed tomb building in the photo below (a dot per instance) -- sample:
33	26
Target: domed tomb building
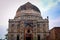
28	24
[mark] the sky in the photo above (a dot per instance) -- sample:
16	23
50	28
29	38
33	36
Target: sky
49	8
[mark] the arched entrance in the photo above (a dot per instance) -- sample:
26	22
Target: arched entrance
28	34
28	37
38	37
17	37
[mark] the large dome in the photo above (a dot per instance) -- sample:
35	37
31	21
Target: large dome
28	6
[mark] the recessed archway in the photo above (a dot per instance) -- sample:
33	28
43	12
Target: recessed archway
17	37
38	37
28	37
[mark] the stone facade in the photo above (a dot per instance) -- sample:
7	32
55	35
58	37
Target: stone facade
28	24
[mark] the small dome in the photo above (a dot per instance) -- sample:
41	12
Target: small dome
28	6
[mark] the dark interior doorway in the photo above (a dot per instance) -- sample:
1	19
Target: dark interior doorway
28	38
17	37
38	37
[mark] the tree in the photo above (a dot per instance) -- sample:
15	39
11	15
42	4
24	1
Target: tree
6	36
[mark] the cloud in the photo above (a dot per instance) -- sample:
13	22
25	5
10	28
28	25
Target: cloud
54	11
47	3
54	15
58	0
54	23
3	31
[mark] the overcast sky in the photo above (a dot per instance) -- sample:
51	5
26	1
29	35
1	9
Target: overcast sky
8	9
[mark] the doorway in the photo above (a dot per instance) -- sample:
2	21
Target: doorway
17	37
28	38
38	37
